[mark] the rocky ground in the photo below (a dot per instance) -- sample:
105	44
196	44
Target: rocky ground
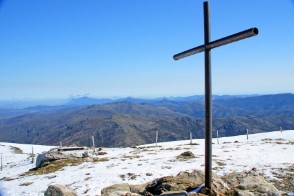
263	165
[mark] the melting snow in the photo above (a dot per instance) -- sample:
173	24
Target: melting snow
263	151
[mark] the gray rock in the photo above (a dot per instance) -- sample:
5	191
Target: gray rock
116	188
175	193
250	182
139	189
59	190
219	186
197	176
171	183
39	160
121	193
48	157
238	184
243	193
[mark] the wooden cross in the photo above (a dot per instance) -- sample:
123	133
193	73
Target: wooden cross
206	48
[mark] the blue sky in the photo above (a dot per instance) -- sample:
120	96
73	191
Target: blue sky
115	48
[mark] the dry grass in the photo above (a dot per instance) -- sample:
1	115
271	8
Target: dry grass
26	184
266	139
16	150
59	164
8	178
131	157
186	155
54	166
101	153
284	178
96	160
277	141
220	163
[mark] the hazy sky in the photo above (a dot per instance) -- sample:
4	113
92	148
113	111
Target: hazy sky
118	48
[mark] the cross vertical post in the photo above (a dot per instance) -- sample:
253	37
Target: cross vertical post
217	136
206	48
208	110
93	141
1	162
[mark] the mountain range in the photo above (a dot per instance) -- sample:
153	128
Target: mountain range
129	122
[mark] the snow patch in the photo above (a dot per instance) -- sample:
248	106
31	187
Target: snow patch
264	151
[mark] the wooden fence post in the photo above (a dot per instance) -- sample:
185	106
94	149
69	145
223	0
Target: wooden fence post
33	154
93	141
1	163
217	136
156	137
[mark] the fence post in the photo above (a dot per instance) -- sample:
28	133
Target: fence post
1	163
93	141
247	134
217	136
156	137
33	154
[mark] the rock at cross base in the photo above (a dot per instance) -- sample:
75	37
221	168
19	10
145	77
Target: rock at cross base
171	183
219	187
235	184
59	190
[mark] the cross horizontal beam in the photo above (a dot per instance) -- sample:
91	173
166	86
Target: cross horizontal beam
220	42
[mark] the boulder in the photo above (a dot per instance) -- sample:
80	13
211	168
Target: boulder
243	193
175	193
234	184
116	189
219	187
55	154
171	183
39	160
44	159
121	193
139	189
59	190
250	183
124	189
197	176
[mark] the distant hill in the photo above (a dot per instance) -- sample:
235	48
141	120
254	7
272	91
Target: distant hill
85	101
236	106
116	124
9	113
88	101
127	123
261	103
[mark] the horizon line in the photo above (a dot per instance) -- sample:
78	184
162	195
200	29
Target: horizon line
29	99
